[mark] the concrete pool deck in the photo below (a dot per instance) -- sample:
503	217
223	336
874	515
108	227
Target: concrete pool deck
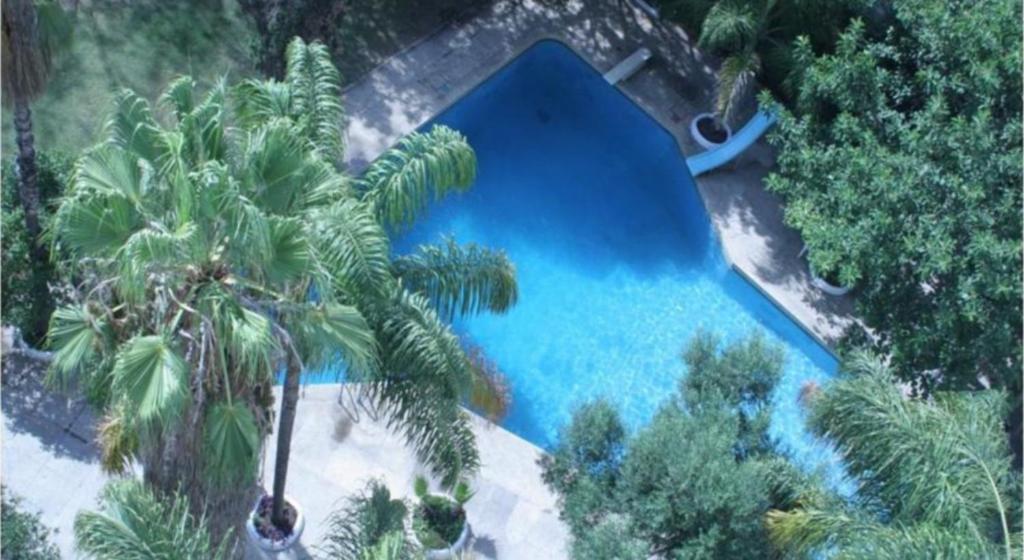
50	460
421	81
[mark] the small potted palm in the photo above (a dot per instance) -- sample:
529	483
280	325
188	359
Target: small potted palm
439	521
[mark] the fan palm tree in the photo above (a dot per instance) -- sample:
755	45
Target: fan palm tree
935	477
134	523
226	246
34	31
371	526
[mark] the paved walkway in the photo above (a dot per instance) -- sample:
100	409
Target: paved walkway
512	516
677	84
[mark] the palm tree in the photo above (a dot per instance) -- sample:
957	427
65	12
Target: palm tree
214	256
935	477
34	31
136	523
764	38
370	526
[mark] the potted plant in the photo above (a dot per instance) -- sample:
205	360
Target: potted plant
439	521
829	283
275	537
709	131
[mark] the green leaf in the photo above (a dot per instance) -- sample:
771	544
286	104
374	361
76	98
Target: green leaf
290	255
400	183
133	128
232	442
151	376
76	337
460	279
316	96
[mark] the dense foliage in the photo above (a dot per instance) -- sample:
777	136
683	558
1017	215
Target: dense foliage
217	243
755	39
695	483
935	476
22	535
370	526
24	280
133	522
901	168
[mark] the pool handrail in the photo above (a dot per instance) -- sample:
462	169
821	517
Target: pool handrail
732	148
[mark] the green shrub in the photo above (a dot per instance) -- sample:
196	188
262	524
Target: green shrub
22	535
694	483
27	302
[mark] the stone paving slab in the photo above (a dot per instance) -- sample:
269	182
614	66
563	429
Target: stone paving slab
513	515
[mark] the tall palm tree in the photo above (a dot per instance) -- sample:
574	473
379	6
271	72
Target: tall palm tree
33	32
935	476
214	256
134	523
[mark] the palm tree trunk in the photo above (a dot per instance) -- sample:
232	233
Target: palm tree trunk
28	188
173	463
289	404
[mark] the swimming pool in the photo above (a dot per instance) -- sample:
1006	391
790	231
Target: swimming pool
617	262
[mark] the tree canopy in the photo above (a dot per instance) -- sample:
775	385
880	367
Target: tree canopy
900	165
695	483
935	476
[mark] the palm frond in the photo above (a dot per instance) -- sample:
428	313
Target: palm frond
730	26
275	158
316	96
425	378
151	376
400	183
460	279
736	79
257	102
179	96
363	528
133	128
290	251
77	337
332	330
134	524
118	441
232	443
353	247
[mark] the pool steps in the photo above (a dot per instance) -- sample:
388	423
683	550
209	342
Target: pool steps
736	145
629	66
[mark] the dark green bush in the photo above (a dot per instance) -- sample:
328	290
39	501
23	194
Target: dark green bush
694	483
22	535
26	300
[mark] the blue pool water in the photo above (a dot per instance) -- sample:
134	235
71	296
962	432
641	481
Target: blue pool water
617	263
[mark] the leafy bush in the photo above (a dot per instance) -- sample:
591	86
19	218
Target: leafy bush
688	485
27	302
900	166
22	535
369	521
133	522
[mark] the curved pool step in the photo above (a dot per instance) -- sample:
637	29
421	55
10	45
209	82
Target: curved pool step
743	139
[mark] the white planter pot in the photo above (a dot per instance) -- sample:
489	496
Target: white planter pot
829	289
269	545
446	553
704	142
